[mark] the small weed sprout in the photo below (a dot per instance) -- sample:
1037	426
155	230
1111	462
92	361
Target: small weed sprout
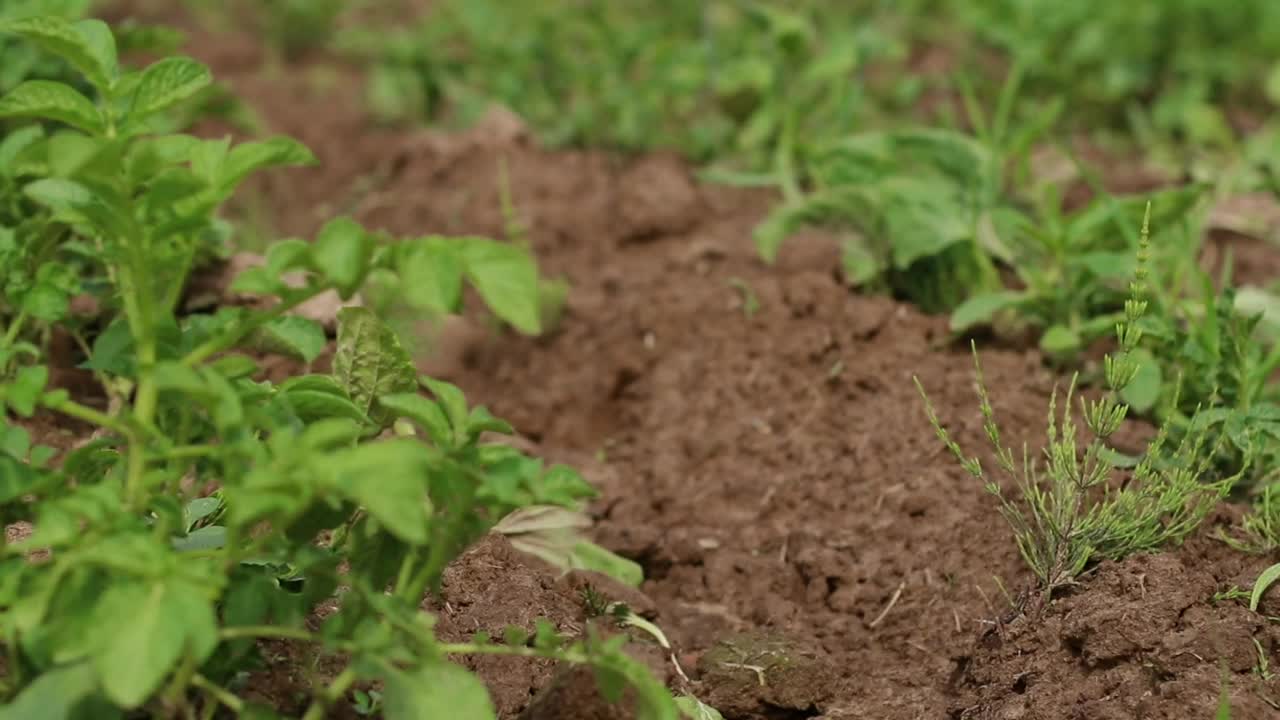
1068	513
1261	527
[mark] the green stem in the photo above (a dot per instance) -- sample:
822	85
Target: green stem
336	690
265	631
233	703
512	650
74	409
12	334
228	339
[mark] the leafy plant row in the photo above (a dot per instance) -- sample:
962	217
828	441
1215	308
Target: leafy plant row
136	589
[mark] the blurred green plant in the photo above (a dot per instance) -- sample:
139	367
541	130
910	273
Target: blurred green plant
1068	514
722	79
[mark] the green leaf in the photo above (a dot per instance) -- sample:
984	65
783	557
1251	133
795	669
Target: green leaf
12	144
291	336
694	709
342	252
248	157
438	689
431	271
200	508
45	99
53	695
424	412
46	302
370	362
507	279
389	479
859	263
318	397
112	350
79	203
590	556
165	83
481	421
1144	391
87	45
1265	580
980	309
24	392
1060	341
165	621
212	537
451	400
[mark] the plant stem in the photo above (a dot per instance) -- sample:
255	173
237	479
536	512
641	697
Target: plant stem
74	409
233	703
228	339
16	327
265	631
336	690
516	651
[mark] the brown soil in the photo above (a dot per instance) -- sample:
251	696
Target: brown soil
760	447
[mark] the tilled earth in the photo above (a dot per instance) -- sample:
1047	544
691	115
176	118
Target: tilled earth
760	447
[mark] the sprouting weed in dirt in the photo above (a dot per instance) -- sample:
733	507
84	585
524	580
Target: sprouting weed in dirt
1231	594
1263	668
593	602
366	703
1260	529
553	294
151	599
750	302
1264	582
1068	514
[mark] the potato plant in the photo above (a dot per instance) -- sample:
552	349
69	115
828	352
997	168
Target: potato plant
210	510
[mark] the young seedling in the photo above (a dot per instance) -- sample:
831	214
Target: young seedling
1068	513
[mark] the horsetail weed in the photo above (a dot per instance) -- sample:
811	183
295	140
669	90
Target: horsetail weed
1069	513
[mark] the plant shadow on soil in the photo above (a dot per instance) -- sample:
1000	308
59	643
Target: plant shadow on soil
809	547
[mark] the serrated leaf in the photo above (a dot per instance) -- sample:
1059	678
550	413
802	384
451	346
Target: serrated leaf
438	689
45	99
1264	581
341	253
389	479
507	279
291	336
370	362
87	45
166	83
